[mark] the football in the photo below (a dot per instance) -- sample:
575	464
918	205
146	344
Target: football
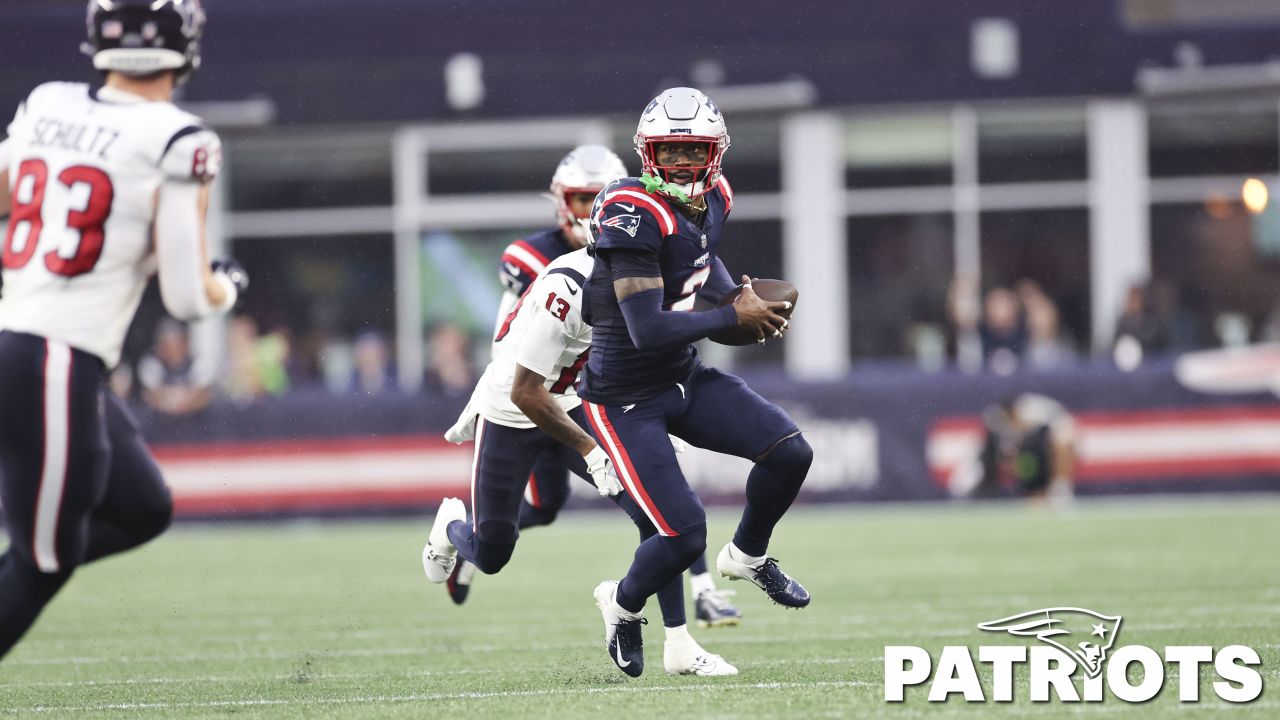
768	290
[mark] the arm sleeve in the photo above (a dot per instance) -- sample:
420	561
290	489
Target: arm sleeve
647	323
178	251
718	283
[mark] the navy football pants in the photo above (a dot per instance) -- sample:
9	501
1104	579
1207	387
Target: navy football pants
711	410
504	459
77	482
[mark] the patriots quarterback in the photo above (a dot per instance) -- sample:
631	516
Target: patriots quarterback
579	177
103	187
655	248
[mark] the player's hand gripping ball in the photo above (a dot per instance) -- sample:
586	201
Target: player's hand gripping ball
767	290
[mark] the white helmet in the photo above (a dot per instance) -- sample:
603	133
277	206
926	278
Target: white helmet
586	169
682	115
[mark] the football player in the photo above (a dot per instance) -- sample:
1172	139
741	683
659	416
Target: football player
527	408
655	254
577	180
103	186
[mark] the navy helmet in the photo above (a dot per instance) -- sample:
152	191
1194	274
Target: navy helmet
141	37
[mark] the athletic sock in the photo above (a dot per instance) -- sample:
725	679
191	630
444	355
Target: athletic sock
701	583
749	560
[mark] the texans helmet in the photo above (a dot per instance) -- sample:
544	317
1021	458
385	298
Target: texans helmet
141	37
682	114
586	169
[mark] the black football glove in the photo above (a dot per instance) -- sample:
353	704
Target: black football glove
234	273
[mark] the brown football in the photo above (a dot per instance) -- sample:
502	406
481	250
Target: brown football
768	290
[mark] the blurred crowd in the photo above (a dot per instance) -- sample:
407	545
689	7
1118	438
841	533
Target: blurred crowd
1004	330
1001	330
174	379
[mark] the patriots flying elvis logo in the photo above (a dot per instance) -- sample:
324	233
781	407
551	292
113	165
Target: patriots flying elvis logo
630	224
1083	634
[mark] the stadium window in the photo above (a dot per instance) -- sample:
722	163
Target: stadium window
1049	248
1207	265
321	292
1032	143
899	269
899	150
1214	138
292	170
462	172
754	247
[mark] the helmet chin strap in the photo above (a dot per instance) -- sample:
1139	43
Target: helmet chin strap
656	184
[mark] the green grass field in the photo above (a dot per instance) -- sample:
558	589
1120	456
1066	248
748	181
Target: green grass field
334	619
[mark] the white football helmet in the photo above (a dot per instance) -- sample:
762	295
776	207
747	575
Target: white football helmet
586	169
682	115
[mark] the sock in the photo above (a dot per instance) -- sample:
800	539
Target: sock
745	559
700	583
680	633
622	612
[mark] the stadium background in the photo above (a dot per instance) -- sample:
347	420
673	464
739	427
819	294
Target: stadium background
904	163
899	161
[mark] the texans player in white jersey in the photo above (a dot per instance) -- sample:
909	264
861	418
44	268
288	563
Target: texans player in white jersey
579	177
525	406
102	188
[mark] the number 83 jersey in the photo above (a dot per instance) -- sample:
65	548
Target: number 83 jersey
84	168
544	333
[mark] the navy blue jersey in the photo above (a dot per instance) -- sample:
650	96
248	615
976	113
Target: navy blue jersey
630	218
524	259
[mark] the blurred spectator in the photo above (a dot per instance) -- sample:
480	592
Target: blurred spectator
121	381
1047	346
451	372
372	372
1003	331
172	381
1138	322
272	354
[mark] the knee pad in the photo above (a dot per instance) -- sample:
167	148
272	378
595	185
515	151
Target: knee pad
491	558
790	456
688	546
495	542
157	518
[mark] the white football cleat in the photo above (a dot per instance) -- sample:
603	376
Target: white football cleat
622	633
439	556
765	574
686	657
